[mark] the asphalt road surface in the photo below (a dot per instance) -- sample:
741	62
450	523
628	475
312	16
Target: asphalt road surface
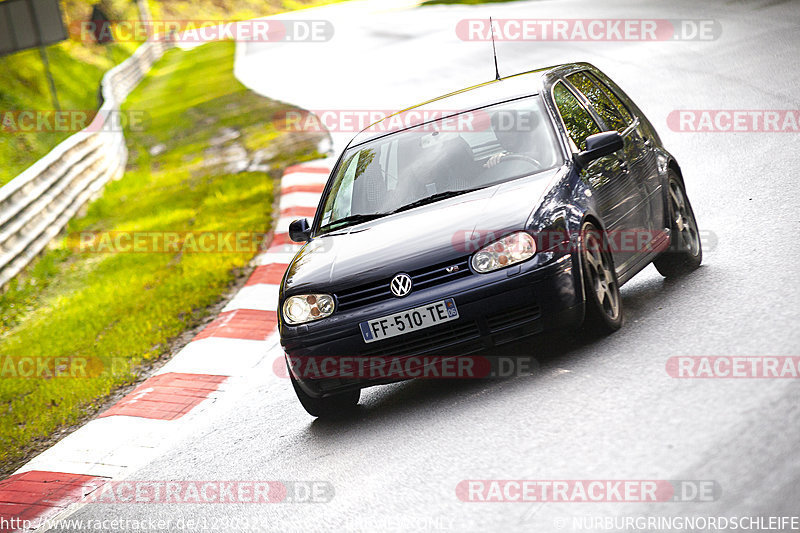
596	410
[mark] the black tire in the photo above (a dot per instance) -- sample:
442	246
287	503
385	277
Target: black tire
685	252
328	407
602	300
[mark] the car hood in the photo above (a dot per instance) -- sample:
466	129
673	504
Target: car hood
446	230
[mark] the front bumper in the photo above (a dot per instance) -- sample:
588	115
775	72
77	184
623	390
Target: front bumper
494	309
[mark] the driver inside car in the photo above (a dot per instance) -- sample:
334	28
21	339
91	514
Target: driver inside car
517	133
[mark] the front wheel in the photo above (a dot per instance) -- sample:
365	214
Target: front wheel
685	252
602	298
329	406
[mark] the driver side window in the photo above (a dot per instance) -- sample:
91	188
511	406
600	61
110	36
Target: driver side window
577	120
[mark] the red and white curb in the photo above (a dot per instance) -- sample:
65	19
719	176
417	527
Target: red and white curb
166	406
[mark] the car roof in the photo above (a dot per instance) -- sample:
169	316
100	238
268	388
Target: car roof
484	94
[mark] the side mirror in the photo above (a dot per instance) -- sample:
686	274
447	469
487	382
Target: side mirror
300	231
599	145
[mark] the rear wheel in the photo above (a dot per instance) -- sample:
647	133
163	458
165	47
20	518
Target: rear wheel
603	300
327	407
685	252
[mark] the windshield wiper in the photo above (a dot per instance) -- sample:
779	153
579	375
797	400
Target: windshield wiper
434	198
359	218
351	220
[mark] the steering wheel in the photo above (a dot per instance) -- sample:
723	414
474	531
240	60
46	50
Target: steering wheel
521	157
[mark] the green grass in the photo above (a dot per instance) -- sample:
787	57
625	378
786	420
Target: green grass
227	10
77	72
78	67
130	307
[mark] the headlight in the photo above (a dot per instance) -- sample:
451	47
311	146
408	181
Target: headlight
508	251
307	307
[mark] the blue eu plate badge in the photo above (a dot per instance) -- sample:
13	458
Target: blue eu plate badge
365	331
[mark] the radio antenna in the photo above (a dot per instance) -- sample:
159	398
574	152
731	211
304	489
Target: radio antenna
494	51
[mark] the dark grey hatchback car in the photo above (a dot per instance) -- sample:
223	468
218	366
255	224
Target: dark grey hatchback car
524	208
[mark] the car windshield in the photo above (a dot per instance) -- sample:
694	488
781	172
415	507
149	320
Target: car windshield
439	159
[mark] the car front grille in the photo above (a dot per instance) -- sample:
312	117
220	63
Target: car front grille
445	339
421	279
514	325
512	318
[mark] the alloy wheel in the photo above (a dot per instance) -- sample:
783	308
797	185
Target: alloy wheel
685	225
601	275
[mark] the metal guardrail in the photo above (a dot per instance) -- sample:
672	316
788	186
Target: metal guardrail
36	205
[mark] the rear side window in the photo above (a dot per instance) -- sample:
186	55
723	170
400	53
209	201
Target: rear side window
623	110
604	101
578	121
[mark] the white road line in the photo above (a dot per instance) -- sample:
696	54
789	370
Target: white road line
299	199
262	296
303	178
219	356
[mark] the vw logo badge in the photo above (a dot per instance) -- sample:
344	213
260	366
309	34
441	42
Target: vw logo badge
400	285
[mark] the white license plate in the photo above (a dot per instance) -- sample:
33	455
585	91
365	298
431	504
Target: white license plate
409	321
